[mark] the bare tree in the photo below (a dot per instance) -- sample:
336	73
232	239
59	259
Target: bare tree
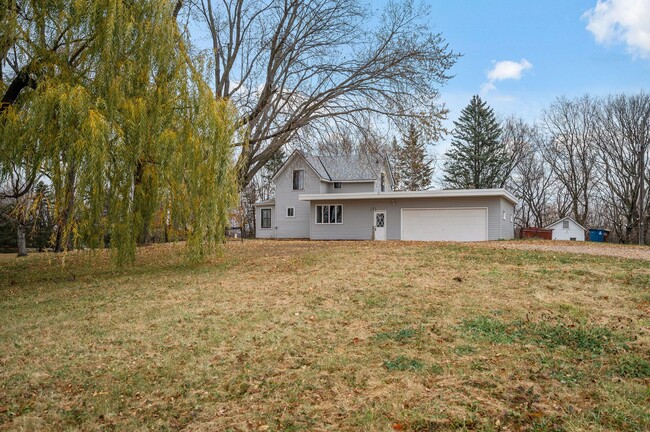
571	152
520	140
17	187
623	128
533	183
292	67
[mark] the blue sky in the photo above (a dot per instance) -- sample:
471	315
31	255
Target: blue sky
553	53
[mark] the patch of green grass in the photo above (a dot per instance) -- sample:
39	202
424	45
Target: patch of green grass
552	335
463	350
631	366
398	336
579	337
403	363
490	329
567	374
636	279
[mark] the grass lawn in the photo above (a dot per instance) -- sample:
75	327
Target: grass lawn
326	336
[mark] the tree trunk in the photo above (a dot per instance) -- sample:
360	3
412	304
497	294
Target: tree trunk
22	243
63	235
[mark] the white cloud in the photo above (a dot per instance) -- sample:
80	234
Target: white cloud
507	69
621	21
504	70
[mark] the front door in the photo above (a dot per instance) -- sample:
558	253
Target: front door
380	225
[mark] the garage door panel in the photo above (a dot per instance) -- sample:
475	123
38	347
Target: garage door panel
459	224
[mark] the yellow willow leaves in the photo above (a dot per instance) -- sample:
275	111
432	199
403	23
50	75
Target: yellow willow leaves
129	136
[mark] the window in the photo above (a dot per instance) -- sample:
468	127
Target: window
504	215
298	179
266	218
512	217
329	214
383	182
337	185
291	212
565	224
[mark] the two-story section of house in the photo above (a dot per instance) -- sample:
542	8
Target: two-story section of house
352	198
287	216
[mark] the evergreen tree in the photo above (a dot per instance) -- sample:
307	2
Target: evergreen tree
412	165
477	158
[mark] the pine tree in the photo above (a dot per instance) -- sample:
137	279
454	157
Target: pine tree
477	158
412	165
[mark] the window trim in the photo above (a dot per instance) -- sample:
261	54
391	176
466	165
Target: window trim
504	215
382	181
327	205
262	218
287	212
293	182
566	222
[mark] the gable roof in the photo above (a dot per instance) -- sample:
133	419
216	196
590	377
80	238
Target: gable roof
340	168
563	219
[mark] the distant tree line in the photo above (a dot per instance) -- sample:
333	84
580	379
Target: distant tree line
584	159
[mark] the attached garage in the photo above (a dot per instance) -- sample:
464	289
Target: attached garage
436	215
445	224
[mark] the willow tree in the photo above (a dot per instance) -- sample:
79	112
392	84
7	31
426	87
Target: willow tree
103	97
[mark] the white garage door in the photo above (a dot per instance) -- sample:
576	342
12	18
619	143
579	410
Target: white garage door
461	224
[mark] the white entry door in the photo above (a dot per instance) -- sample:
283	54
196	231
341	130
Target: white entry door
380	225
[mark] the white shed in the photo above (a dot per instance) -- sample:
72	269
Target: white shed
567	229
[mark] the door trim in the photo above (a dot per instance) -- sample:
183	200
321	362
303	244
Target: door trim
487	217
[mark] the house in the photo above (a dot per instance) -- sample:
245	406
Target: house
352	198
567	229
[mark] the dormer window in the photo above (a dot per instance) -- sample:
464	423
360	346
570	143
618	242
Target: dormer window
383	182
298	179
337	185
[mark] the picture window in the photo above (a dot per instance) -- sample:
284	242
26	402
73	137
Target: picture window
329	214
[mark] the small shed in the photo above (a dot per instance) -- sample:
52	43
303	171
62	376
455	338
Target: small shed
567	229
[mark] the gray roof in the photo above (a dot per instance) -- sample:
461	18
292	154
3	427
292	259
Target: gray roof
346	168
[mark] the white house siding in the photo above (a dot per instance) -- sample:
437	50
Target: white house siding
507	225
264	232
350	187
285	196
574	231
358	216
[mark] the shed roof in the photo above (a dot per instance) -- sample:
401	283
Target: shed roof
563	219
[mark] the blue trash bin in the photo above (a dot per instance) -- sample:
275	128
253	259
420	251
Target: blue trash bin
598	235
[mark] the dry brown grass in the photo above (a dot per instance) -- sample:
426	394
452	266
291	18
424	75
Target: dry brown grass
326	336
